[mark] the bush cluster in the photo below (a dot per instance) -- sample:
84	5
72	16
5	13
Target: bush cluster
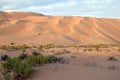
23	66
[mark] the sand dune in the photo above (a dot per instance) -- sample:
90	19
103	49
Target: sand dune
25	27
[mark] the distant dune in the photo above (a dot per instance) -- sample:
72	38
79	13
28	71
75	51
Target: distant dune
34	28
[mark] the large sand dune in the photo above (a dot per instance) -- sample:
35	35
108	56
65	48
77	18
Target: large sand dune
29	28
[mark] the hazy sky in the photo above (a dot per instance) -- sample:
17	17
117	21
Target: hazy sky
95	8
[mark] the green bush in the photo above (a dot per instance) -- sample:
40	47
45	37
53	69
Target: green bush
32	60
41	59
51	58
23	69
8	77
20	68
10	64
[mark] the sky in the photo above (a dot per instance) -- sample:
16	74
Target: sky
92	8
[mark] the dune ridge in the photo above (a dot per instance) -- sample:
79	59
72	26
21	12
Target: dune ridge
34	28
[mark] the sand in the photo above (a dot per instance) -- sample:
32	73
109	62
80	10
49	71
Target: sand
34	28
79	64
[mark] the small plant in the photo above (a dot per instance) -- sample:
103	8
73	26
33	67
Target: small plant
73	56
4	57
90	49
32	60
48	46
40	47
23	69
51	58
12	43
35	53
23	56
112	58
119	49
85	50
23	50
39	33
10	64
4	47
66	51
8	77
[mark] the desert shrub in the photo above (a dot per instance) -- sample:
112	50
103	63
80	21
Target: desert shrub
119	49
23	56
23	69
20	68
41	59
49	46
8	76
32	60
60	46
23	50
15	47
4	47
112	58
10	64
61	60
97	48
66	51
40	47
51	58
12	43
114	45
90	49
35	53
85	50
39	33
73	56
4	57
21	47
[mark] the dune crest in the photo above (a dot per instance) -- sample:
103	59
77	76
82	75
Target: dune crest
29	28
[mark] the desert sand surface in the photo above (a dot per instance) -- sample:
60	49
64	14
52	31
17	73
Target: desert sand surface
81	63
73	37
34	28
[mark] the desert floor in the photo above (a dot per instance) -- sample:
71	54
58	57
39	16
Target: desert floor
80	64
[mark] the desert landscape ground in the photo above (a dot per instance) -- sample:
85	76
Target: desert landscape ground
88	48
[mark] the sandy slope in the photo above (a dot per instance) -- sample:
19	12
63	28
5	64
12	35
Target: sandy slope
85	65
28	28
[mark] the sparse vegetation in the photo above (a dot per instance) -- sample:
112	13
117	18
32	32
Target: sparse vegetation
14	47
48	46
23	66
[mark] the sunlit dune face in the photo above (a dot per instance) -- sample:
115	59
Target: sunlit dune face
36	28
